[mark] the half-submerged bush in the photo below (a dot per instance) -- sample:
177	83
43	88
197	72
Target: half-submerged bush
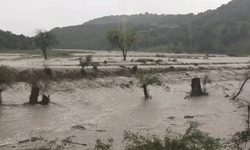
193	139
146	80
83	62
135	68
7	77
144	60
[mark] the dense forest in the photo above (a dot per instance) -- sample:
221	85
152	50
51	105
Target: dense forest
14	42
223	30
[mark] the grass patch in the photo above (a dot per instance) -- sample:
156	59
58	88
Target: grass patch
144	60
232	55
159	55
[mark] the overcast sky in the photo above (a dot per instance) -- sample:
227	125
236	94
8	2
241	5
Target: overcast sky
23	16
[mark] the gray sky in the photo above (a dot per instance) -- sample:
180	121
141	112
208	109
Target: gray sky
23	16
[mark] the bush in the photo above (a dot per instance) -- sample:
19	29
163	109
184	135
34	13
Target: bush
159	55
135	68
206	80
193	139
159	60
144	60
88	58
149	79
95	68
85	61
232	55
7	77
100	145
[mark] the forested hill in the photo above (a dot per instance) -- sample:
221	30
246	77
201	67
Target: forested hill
224	30
14	42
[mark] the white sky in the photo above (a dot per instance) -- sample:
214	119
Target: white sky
23	16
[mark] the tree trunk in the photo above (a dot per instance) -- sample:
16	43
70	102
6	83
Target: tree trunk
45	100
44	54
145	90
34	95
196	87
124	55
1	96
49	72
241	88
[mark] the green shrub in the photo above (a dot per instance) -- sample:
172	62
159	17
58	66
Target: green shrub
95	68
159	60
149	79
7	77
144	60
88	58
159	55
232	55
85	61
206	80
100	145
193	139
135	68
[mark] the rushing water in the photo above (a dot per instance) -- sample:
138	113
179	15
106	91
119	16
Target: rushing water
106	111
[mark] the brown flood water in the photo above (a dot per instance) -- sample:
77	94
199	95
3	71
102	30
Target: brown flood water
105	110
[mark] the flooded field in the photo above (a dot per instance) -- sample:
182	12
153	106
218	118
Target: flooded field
104	107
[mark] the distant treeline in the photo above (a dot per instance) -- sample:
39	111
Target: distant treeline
224	30
14	42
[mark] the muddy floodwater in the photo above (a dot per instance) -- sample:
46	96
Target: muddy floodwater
88	109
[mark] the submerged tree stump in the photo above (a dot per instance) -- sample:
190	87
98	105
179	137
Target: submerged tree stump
196	87
145	90
34	95
45	100
49	72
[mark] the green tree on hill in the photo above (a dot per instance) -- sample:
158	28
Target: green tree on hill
123	39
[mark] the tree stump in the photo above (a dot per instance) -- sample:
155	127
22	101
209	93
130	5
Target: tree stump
34	95
196	87
145	90
45	100
84	73
49	72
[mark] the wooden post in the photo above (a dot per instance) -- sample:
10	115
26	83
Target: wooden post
196	87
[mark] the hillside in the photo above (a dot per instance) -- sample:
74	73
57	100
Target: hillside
14	42
224	30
